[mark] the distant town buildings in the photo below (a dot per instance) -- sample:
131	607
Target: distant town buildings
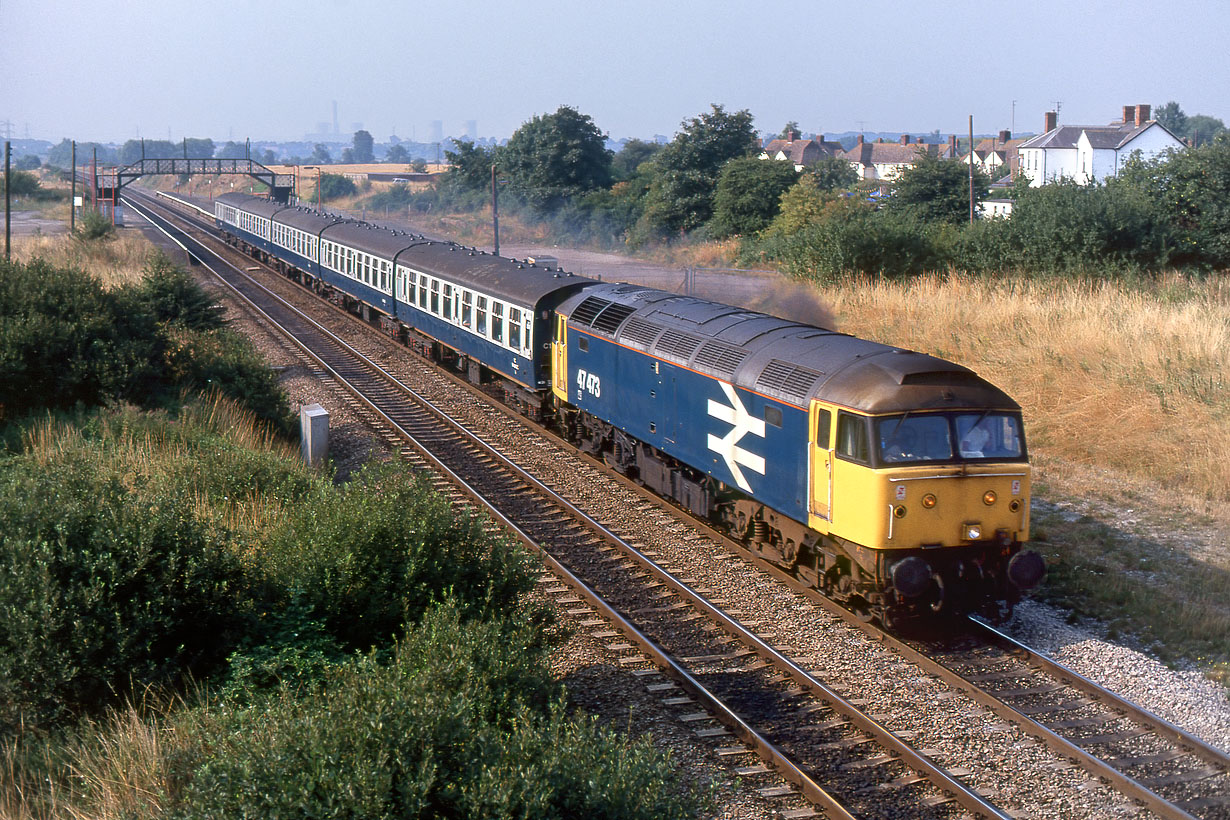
1082	153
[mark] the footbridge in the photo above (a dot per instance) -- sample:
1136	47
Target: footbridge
108	185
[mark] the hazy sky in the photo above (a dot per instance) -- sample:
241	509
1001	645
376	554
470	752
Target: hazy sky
271	69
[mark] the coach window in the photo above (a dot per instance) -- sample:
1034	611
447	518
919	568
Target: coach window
514	328
528	337
852	437
423	291
384	275
446	306
482	316
497	321
435	296
466	298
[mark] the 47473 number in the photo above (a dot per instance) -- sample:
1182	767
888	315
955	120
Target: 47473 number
588	383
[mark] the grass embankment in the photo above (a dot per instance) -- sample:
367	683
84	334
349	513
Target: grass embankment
1123	386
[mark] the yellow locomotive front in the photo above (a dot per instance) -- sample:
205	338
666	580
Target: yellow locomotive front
923	511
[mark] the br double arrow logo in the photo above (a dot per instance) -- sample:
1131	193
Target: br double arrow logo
728	445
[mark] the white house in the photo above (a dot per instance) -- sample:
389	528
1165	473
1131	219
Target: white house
1088	153
886	160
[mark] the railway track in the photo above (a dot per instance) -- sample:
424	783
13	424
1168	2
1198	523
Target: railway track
1193	785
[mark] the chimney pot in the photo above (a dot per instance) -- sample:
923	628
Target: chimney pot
1142	114
1005	135
1052	121
905	139
1129	113
860	139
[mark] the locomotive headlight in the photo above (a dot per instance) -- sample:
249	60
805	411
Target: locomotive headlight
928	501
989	497
972	532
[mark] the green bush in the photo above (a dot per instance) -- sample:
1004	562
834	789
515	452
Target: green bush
102	591
371	556
65	341
463	722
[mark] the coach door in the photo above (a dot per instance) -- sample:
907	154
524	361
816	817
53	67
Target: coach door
820	466
559	359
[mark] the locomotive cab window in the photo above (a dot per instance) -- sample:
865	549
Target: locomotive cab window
773	415
824	423
852	438
583	344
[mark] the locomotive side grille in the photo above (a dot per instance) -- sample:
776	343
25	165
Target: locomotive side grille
609	320
721	358
587	310
789	380
640	332
677	345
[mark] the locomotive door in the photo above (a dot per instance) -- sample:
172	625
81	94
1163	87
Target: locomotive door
559	359
820	465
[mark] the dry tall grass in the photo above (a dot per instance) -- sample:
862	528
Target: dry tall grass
1124	378
116	261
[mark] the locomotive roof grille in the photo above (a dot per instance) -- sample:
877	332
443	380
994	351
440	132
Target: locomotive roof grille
640	332
788	379
611	317
588	310
678	345
721	358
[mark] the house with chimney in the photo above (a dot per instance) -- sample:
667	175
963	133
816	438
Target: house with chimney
885	160
802	152
1089	153
998	156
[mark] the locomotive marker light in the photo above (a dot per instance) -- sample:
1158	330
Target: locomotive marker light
973	532
989	497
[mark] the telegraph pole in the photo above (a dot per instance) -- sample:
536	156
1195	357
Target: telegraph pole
971	169
495	209
72	201
8	197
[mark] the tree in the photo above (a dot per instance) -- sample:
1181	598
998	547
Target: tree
1203	129
233	150
363	143
470	165
347	155
268	157
555	157
397	154
789	131
631	156
418	165
320	155
29	162
22	183
61	155
1172	116
335	186
198	148
681	198
832	174
749	194
135	150
936	190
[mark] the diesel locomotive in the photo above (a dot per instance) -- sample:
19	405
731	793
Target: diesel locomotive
894	481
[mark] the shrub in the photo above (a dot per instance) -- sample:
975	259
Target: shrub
94	225
370	557
463	722
102	591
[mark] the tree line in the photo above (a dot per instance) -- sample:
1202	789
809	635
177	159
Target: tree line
707	183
